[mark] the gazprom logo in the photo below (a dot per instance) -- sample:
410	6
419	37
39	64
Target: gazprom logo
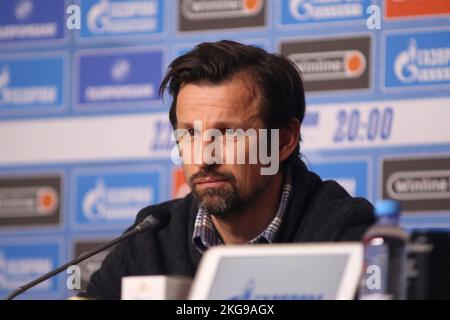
207	9
23	10
305	10
120	70
416	65
106	203
107	78
119	73
16	271
31	20
14	95
118	17
249	293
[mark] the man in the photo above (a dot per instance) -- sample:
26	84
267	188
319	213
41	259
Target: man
226	86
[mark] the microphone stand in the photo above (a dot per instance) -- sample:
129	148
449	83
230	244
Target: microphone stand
149	222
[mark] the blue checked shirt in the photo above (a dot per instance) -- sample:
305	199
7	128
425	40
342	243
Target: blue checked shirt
205	234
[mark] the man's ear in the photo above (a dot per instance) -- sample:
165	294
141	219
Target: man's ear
289	138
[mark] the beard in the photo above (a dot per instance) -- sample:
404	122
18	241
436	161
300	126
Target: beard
226	201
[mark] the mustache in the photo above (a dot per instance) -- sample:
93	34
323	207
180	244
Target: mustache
211	174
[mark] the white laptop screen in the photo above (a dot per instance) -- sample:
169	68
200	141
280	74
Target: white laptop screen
279	272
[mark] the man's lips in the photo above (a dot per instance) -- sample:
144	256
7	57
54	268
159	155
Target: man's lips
210	180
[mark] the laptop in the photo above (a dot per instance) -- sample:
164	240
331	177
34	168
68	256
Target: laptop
317	271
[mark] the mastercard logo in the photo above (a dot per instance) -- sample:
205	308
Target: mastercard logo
46	200
205	9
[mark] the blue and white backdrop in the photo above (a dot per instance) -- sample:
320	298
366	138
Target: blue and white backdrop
85	140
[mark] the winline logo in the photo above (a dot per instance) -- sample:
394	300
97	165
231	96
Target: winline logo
11	94
330	65
229	146
424	184
28	201
201	9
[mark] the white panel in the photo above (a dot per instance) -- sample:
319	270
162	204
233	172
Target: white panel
414	122
118	137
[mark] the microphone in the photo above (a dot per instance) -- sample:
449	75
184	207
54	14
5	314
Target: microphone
154	221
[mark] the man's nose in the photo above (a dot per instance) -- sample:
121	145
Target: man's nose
210	152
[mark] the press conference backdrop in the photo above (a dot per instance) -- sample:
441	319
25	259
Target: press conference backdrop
85	141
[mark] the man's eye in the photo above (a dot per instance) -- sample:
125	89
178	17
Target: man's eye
229	132
192	132
233	133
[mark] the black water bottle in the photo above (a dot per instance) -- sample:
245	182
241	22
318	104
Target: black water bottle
429	265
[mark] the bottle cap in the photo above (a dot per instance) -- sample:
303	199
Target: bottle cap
387	208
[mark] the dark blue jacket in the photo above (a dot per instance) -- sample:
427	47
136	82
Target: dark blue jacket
318	211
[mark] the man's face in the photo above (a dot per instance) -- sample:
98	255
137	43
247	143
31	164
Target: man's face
234	104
